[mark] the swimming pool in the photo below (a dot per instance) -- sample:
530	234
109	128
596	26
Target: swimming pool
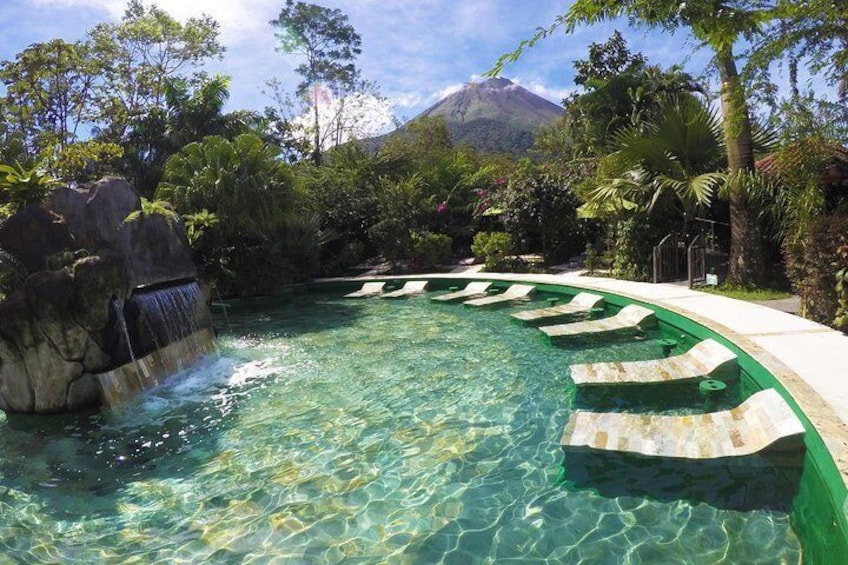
376	431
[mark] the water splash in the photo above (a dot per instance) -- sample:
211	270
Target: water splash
122	322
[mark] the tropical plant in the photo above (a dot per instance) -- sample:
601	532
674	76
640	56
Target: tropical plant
154	208
20	186
241	181
242	200
678	154
198	224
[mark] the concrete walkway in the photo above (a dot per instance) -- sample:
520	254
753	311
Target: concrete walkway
808	359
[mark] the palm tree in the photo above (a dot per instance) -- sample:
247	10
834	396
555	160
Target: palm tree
241	181
719	24
678	155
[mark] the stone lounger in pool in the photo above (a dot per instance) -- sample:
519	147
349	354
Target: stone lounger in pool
763	421
409	289
629	318
472	290
582	303
514	292
368	289
708	358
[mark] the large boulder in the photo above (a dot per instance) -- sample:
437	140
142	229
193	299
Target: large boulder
157	250
35	234
95	213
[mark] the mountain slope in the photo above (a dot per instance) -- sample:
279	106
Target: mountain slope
494	116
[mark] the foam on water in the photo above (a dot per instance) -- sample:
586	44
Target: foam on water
373	431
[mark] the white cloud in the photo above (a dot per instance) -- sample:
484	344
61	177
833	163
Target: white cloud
342	119
240	21
555	95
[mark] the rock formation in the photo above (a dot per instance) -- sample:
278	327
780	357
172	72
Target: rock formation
82	257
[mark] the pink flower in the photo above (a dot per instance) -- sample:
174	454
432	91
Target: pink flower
481	192
500	180
442	207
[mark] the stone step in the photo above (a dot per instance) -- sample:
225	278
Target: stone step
763	421
708	358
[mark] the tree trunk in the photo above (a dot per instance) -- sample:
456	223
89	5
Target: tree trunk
746	247
316	151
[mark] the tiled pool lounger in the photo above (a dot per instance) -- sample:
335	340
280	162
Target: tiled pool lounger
583	303
706	359
764	420
629	318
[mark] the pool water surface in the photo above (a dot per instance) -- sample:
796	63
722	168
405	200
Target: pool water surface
332	430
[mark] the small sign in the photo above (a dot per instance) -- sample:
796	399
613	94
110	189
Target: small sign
712	279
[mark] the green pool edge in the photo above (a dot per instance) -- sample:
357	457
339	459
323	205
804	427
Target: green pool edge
820	509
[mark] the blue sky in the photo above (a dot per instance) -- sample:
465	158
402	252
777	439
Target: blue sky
416	51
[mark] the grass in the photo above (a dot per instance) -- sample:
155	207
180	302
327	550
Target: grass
746	292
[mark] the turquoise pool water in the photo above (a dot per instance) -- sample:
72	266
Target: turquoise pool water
338	431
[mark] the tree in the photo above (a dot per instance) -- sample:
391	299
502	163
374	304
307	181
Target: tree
143	53
192	110
329	45
620	89
49	107
815	31
719	24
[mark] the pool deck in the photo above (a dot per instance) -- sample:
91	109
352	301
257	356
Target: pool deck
808	359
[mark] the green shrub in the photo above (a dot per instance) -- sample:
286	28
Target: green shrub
840	322
430	249
540	211
591	262
813	261
391	238
494	248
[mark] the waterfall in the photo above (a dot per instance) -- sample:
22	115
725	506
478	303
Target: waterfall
122	321
170	327
171	313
